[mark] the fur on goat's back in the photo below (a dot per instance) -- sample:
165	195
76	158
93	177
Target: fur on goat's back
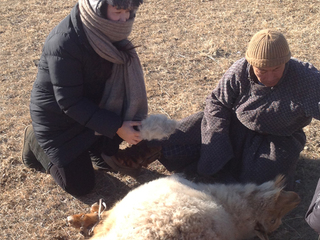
169	206
175	208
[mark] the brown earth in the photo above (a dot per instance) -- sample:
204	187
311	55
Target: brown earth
186	46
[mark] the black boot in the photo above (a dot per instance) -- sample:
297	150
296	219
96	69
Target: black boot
141	154
98	163
95	154
117	166
130	160
32	154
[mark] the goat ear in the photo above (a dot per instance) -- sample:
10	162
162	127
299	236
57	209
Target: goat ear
287	201
280	181
260	231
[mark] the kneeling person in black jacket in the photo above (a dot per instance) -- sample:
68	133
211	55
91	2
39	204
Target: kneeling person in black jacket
88	96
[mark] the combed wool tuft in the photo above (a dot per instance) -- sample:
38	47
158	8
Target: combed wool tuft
157	126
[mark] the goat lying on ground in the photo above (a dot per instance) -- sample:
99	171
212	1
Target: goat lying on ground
175	208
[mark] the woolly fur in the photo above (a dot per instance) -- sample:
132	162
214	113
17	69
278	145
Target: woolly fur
175	208
157	126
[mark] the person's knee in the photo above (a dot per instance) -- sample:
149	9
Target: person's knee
80	190
76	184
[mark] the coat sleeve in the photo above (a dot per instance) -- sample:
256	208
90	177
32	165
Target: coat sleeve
216	148
313	213
65	68
309	89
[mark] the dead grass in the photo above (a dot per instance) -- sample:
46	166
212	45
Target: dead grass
186	46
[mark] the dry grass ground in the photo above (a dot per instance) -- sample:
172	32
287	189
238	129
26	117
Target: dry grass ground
186	46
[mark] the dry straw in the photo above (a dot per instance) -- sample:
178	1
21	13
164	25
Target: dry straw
186	46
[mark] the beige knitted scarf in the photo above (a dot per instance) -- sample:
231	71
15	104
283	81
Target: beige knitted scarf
124	92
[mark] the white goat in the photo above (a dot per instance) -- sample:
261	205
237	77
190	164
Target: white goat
175	208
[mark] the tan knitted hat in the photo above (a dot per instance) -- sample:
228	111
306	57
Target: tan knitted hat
268	48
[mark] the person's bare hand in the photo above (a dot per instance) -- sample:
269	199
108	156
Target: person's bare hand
128	133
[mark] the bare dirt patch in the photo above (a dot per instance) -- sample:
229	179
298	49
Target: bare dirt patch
186	46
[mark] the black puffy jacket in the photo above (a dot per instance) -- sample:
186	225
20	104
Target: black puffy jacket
67	91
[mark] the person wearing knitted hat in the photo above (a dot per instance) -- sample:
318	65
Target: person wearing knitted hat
88	95
267	53
251	129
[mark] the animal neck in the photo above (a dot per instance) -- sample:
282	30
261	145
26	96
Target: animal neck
241	202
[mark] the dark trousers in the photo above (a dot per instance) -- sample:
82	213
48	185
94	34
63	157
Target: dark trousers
181	151
76	178
256	157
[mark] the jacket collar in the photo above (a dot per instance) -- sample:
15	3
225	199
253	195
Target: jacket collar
77	25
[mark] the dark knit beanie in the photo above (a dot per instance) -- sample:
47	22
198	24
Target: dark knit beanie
125	4
100	6
268	48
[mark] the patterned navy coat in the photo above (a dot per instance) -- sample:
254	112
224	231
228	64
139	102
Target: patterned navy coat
248	132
